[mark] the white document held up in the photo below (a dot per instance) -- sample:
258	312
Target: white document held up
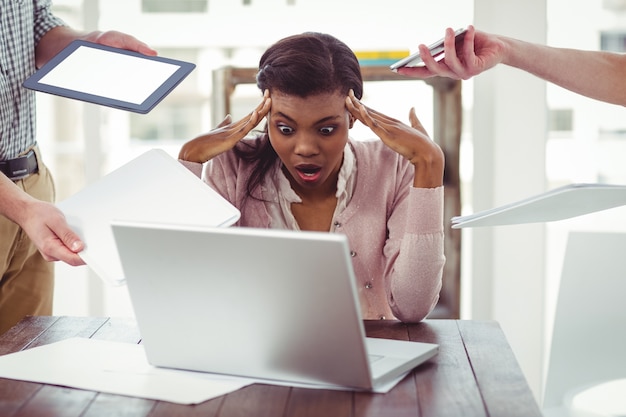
558	204
152	188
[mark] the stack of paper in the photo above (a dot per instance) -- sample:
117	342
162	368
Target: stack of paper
115	368
558	204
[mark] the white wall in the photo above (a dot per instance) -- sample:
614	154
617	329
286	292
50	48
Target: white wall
509	134
515	271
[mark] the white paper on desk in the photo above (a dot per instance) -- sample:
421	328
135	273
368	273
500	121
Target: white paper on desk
558	204
123	369
153	188
112	367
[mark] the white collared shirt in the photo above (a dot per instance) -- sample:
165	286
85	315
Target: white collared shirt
279	195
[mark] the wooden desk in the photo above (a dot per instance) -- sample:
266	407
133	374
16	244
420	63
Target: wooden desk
474	374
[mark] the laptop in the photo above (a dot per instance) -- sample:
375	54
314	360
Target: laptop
261	303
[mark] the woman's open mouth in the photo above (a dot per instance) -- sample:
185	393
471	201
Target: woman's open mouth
308	172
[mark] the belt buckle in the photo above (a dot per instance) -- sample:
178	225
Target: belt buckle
18	167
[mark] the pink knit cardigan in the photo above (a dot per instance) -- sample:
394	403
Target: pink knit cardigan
395	231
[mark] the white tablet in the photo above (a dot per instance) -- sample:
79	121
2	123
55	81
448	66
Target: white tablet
109	76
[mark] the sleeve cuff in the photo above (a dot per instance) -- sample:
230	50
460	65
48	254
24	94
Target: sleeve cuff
194	167
425	210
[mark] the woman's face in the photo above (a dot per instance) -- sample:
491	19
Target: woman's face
309	135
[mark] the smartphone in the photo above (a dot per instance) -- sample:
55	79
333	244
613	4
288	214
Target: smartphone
436	50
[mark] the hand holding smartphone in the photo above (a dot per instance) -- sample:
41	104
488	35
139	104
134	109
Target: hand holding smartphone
436	50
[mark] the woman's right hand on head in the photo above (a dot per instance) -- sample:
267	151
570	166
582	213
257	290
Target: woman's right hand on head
225	136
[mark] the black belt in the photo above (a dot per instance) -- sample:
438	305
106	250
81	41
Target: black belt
20	167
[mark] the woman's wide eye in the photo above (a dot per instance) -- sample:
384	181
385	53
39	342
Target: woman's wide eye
285	130
327	130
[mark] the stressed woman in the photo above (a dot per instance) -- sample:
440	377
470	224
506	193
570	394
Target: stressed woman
303	172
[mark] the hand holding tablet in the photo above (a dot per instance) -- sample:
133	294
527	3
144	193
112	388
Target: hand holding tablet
109	76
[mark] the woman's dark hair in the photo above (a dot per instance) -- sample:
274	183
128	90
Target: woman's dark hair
309	64
301	65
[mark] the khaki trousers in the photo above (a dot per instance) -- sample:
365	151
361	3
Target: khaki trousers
26	279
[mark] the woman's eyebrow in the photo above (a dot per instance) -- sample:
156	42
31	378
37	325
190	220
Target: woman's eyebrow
322	120
281	114
328	119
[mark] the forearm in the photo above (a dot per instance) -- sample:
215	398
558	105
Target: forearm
595	74
429	174
59	37
429	167
416	276
55	40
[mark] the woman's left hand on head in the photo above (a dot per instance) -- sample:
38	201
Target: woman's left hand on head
412	142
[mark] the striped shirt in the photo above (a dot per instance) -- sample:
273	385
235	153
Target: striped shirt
22	24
